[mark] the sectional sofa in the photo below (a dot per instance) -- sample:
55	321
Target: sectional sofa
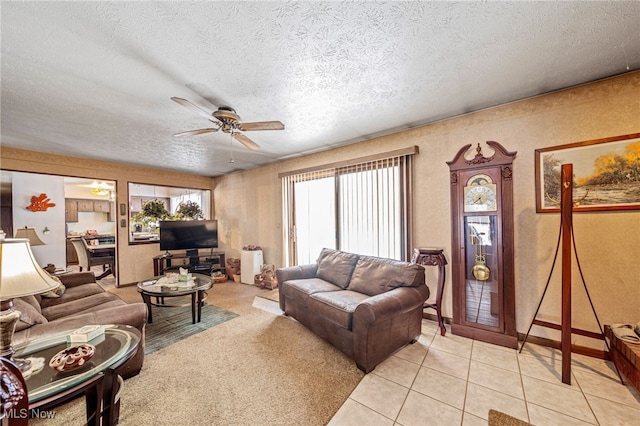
82	302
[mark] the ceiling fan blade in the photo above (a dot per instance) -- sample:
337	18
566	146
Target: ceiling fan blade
196	132
261	125
185	103
246	141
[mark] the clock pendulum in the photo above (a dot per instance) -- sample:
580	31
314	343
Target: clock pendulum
480	269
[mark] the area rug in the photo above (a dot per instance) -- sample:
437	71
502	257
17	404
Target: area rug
172	324
257	369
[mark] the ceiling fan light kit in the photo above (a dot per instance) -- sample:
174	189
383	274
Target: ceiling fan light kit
229	122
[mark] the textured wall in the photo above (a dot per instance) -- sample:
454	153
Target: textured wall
25	186
250	212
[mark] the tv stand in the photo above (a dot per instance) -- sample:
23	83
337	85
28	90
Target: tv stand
193	256
197	262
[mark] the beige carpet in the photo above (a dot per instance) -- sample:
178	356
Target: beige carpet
256	369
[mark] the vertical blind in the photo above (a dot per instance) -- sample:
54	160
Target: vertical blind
363	208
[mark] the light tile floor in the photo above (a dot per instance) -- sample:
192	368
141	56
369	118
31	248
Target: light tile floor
453	380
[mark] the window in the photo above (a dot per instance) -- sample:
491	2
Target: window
144	228
361	207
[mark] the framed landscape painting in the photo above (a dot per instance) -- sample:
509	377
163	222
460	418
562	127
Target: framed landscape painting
606	174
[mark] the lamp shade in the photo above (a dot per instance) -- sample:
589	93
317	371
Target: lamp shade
31	235
20	274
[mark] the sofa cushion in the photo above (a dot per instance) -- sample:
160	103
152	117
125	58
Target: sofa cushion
301	289
336	266
336	306
73	293
86	304
374	275
29	315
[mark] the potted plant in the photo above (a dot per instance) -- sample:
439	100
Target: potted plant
189	210
151	213
155	209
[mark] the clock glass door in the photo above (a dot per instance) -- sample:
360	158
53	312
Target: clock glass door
482	290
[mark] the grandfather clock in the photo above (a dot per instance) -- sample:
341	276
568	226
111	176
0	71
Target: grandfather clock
482	246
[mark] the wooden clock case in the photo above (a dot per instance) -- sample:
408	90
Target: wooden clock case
484	308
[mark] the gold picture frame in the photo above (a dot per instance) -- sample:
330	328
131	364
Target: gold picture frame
606	174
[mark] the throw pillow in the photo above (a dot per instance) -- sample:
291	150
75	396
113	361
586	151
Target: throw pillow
373	275
336	266
33	301
28	315
56	292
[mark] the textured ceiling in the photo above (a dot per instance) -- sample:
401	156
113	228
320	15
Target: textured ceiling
94	79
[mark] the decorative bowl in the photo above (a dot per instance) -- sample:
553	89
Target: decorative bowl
72	357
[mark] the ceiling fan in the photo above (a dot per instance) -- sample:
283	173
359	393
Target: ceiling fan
228	121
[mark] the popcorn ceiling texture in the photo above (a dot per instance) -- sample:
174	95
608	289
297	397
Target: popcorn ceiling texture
93	79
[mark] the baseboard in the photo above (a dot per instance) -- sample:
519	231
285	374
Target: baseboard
434	317
578	349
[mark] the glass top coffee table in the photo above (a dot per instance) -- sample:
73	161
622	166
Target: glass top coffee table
164	286
45	387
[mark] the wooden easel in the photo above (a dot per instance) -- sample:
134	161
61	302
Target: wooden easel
565	240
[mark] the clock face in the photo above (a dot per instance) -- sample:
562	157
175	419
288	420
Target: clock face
480	194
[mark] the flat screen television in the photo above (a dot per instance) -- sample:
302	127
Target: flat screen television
188	234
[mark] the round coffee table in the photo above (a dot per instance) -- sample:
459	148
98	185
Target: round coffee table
162	286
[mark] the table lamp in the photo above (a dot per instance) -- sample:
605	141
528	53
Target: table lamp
31	235
20	276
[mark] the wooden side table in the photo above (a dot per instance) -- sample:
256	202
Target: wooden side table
433	257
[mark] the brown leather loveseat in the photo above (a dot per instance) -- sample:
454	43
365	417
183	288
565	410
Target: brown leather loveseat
365	306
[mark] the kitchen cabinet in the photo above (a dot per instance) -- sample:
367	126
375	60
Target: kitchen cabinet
70	210
101	206
72	255
111	214
85	205
75	205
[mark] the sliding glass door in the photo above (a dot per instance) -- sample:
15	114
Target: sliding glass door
315	218
370	210
361	208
